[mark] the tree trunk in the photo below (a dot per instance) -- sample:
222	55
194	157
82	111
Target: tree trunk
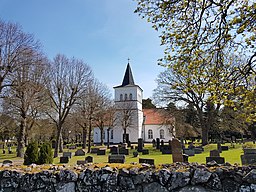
61	143
108	142
101	136
57	141
21	139
84	137
89	136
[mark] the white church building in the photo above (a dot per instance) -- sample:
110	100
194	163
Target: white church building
147	124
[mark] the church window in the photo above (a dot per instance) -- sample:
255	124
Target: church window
121	97
111	134
125	97
150	134
130	96
161	134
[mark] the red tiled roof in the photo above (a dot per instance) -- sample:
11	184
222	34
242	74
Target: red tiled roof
156	116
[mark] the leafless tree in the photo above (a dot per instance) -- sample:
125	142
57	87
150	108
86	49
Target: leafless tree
68	79
14	43
26	96
125	116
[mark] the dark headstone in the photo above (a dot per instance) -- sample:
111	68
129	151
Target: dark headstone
135	154
89	159
7	162
132	147
145	151
219	147
67	154
114	150
191	145
101	152
154	143
214	153
116	158
147	161
166	149
80	152
176	151
219	160
140	145
189	152
64	159
185	158
157	143
224	148
53	144
94	150
248	159
162	143
124	151
80	162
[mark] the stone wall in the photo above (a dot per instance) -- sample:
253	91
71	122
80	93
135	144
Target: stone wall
175	177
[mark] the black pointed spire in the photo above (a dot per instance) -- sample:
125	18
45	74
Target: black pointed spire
128	78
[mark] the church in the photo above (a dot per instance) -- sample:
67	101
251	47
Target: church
131	121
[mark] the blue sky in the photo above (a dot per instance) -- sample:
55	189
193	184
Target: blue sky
104	33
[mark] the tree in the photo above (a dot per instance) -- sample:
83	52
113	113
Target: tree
14	43
26	97
68	79
125	116
147	104
201	35
31	154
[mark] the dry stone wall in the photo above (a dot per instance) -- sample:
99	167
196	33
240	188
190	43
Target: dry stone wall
178	177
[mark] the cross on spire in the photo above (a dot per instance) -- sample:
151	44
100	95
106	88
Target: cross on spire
128	60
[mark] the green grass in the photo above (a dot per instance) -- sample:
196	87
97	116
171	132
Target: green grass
232	156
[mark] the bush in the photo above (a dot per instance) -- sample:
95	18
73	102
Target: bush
45	154
31	153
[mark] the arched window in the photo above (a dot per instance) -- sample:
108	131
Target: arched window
121	97
161	134
111	134
125	97
130	96
150	134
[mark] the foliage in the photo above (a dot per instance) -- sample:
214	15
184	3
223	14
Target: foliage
199	37
31	154
45	154
147	104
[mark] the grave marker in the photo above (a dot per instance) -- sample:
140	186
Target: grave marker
176	151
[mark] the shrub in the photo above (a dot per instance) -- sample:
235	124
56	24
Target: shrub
31	153
45	154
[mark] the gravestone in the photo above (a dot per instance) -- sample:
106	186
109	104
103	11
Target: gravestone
219	147
124	151
154	143
80	162
145	151
89	159
80	152
224	148
116	158
132	147
64	159
191	145
166	149
215	156
114	150
140	145
72	147
198	150
162	144
94	150
249	156
53	144
189	152
157	143
67	154
101	152
176	151
147	161
7	162
135	154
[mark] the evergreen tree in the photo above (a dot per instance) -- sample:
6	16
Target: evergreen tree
45	154
31	154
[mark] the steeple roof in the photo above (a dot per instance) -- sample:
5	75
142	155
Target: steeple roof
128	78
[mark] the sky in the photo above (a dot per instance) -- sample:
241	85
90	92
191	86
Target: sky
103	33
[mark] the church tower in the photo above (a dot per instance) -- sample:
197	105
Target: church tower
129	115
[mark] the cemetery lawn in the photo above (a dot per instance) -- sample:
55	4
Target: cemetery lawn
232	156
